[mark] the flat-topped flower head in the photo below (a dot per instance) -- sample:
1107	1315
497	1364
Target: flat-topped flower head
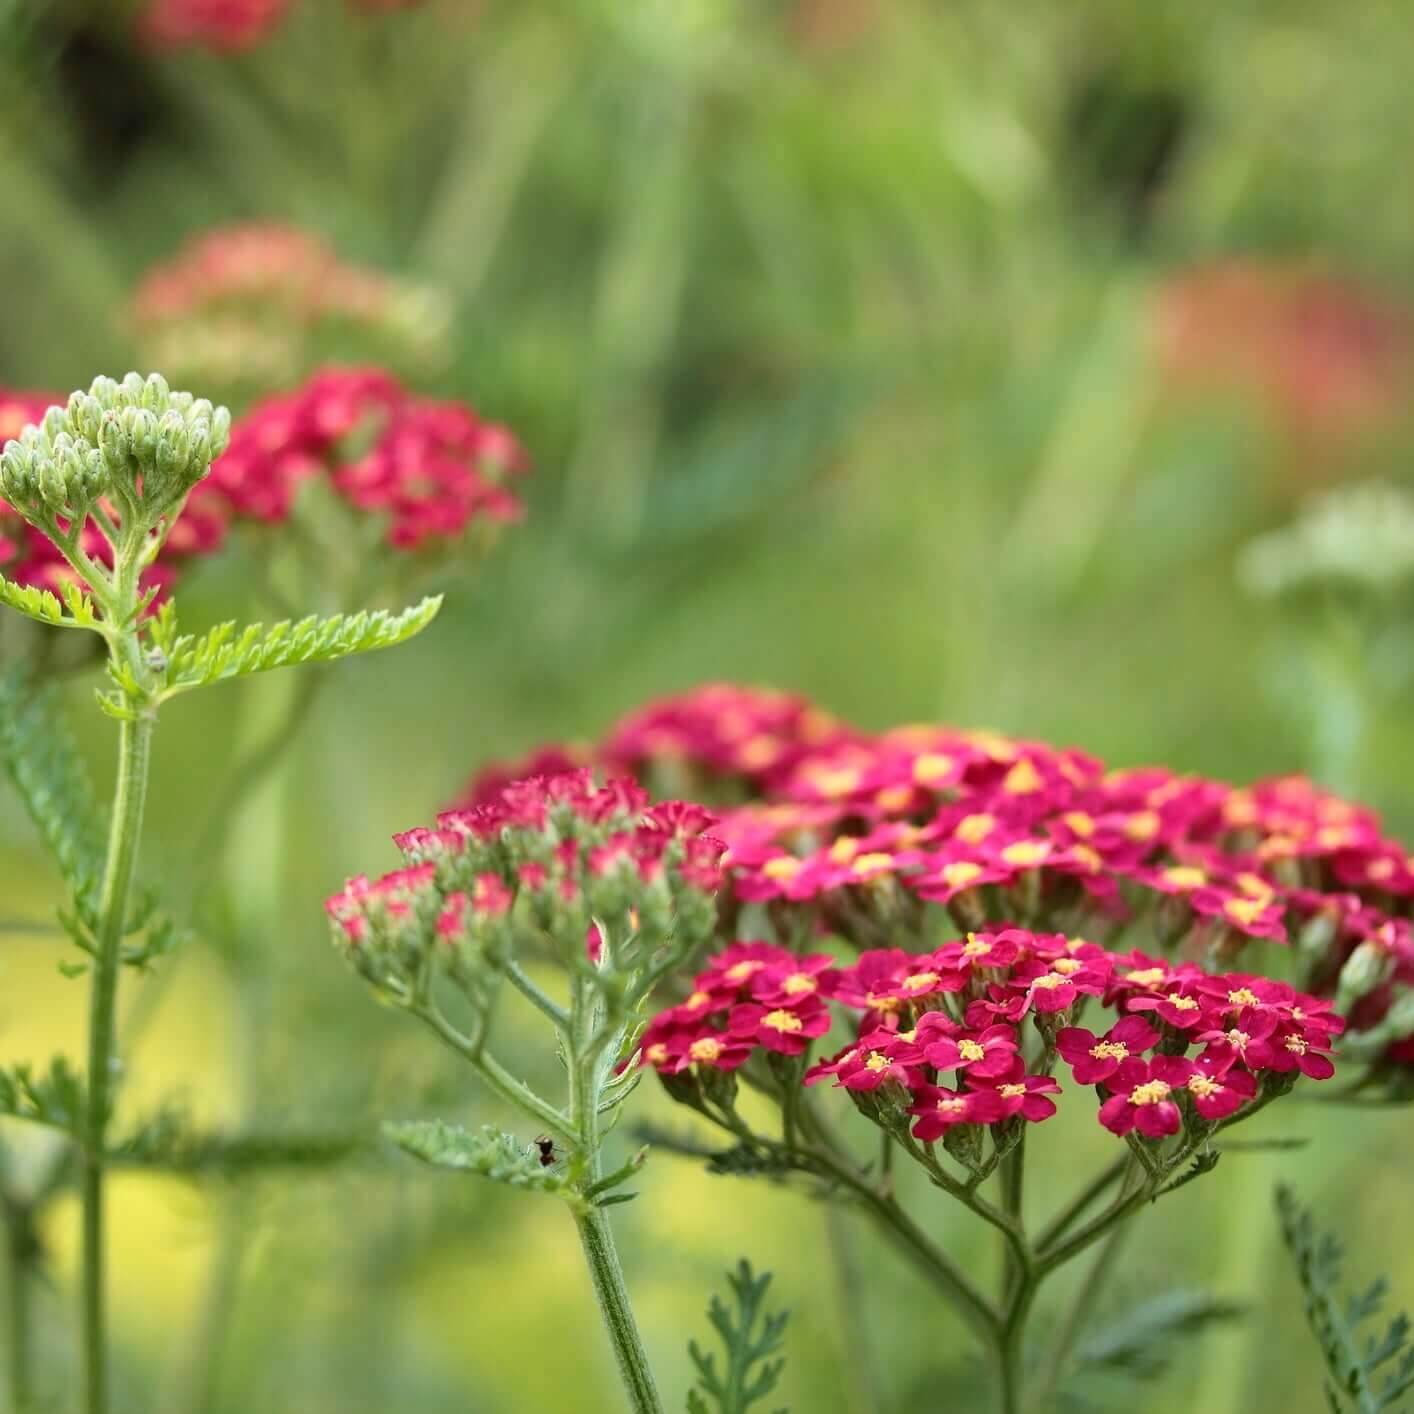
428	470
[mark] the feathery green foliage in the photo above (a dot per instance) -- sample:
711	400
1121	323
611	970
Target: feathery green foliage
750	1374
222	654
54	1097
76	609
1354	1382
491	1153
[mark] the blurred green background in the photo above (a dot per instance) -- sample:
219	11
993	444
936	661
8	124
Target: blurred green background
841	333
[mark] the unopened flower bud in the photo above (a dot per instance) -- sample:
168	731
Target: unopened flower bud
1368	967
1315	938
156	395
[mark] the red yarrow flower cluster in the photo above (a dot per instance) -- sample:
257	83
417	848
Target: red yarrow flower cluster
430	468
965	1035
869	836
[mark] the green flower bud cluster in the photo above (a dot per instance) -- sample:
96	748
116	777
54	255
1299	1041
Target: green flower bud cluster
137	443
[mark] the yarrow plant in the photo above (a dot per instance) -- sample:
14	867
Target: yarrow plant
998	927
614	890
104	479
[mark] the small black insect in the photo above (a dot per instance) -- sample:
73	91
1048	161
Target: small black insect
546	1145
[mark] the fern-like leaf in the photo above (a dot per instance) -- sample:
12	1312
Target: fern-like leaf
74	610
223	653
53	1097
750	1336
1365	1374
44	764
489	1153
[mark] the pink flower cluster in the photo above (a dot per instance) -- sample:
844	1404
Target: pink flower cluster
866	836
432	468
261	262
959	1015
576	852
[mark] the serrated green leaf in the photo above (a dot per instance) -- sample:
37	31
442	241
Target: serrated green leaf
44	764
750	1337
490	1153
45	608
222	654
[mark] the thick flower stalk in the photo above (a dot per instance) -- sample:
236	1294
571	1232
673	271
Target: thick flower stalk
614	891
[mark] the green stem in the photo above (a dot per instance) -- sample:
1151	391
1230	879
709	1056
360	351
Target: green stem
1075	1209
862	1369
134	753
1013	1179
603	1260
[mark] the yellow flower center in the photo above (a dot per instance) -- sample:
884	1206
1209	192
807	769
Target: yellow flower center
1026	854
1380	869
1146	976
759	752
1297	1045
878	1003
1184	876
698	999
835	781
1049	981
844	849
971	1050
782	1021
973	829
953	1106
932	766
1142	826
1151	1092
975	946
1022	779
656	1054
1255	886
1067	966
708	1048
1011	1091
1204	1086
1239	1039
799	982
1184	1003
1244	996
917	981
1110	1050
866	862
960	873
782	867
876	1062
894	797
1245	911
1080	823
740	971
